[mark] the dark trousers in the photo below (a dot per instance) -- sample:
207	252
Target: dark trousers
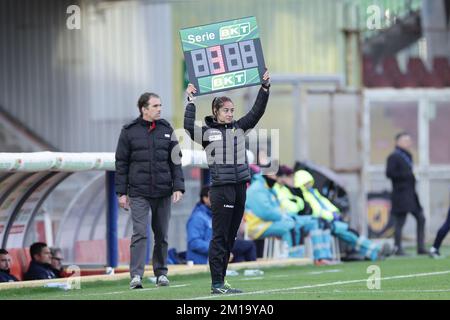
244	250
227	205
140	208
442	232
399	221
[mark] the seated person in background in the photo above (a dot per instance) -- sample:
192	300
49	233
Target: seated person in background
329	215
40	265
199	234
243	250
5	265
56	264
294	205
264	216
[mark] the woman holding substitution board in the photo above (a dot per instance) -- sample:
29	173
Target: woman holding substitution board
223	139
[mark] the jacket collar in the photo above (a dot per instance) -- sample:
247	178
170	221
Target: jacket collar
42	265
270	182
398	149
6	271
212	123
147	124
258	177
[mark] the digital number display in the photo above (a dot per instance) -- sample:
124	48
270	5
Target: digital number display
223	56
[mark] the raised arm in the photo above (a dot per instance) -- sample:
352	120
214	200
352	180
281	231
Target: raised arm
250	120
195	132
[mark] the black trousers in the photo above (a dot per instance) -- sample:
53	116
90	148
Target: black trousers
244	250
227	205
399	222
442	232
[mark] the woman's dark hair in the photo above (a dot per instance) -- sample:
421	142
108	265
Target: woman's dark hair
143	100
204	192
217	103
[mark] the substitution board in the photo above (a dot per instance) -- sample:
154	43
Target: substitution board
223	56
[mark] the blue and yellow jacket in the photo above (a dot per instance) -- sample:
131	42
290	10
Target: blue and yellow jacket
321	206
289	202
262	207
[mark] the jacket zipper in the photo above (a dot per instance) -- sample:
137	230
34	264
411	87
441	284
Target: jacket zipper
235	157
151	147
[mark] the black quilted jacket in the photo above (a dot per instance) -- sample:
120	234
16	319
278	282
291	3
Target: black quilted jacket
225	143
144	166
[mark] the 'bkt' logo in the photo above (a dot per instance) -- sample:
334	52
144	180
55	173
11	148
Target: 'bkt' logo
234	31
228	80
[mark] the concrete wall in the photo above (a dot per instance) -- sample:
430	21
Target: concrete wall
76	88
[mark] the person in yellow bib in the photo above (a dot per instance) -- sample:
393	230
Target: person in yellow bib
268	215
294	205
264	216
324	210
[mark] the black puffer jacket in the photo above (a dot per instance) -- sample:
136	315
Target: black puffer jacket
225	143
144	166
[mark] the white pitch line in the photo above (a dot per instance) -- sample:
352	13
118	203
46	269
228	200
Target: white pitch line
125	291
368	291
336	283
325	271
250	279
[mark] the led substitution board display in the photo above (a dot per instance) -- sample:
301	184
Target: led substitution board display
224	55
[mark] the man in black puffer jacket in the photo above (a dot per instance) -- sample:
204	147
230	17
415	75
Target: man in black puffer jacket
224	142
148	172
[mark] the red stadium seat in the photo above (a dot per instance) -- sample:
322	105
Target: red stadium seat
124	251
392	71
20	261
94	251
17	269
419	72
441	68
371	78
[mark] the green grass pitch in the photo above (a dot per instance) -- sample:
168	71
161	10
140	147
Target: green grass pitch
401	278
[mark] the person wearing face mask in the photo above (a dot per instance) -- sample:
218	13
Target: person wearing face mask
223	139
